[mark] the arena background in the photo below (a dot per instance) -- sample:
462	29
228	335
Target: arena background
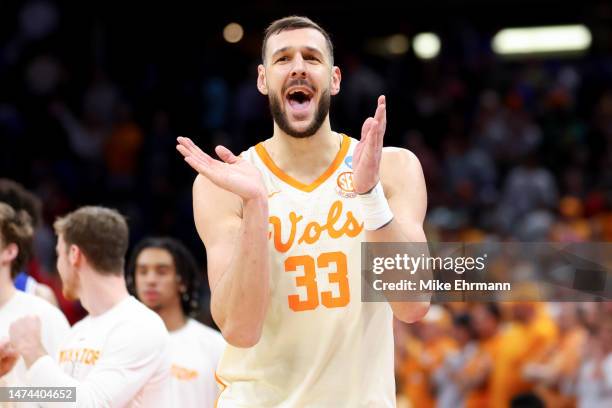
93	95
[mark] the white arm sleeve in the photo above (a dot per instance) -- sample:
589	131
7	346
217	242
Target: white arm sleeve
125	365
54	330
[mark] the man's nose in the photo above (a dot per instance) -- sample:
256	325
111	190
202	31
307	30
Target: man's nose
149	277
299	67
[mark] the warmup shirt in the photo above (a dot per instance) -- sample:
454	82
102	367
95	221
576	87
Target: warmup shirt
195	350
320	345
54	329
117	359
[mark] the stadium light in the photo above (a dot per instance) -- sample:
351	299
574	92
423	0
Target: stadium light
426	45
398	44
389	46
542	40
233	32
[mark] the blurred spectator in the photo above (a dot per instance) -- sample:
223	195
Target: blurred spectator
43	75
122	149
528	187
469	172
101	98
571	227
484	374
361	86
415	142
595	377
86	136
38	18
555	372
530	336
447	377
425	356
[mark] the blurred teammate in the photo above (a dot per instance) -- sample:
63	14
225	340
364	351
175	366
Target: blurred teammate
15	248
164	276
19	198
283	226
118	355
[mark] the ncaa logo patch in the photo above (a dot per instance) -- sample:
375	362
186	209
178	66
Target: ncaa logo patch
349	161
344	185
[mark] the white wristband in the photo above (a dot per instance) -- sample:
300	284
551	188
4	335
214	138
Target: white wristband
375	208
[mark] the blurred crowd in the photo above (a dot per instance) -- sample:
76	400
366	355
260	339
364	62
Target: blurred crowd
511	150
510	354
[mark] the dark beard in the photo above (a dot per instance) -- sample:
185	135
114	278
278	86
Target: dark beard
280	117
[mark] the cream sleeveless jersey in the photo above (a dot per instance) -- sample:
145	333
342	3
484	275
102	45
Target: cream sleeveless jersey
320	345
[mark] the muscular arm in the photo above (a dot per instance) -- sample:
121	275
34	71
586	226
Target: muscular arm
404	185
234	231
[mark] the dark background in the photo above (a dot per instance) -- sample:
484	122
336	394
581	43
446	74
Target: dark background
93	94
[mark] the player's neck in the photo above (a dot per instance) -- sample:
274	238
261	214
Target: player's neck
306	157
7	289
173	317
100	293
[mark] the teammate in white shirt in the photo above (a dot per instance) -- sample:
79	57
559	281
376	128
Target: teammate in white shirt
283	226
164	276
16	234
15	195
117	356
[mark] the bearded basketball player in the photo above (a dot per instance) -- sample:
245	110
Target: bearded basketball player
283	225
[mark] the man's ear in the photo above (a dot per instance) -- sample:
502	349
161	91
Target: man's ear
75	256
262	85
335	80
9	253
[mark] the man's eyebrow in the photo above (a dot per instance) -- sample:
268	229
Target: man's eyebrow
311	49
280	50
155	265
315	50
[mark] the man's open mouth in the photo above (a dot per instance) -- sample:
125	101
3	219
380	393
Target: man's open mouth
299	97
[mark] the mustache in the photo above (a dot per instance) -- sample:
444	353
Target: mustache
298	82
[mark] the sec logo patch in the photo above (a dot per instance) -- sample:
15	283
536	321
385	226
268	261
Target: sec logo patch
345	186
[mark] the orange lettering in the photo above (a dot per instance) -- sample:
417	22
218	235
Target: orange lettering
276	223
307	237
184	374
352	227
83	356
332	217
313	229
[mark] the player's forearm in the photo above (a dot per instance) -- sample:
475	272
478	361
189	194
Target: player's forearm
392	232
408	312
240	299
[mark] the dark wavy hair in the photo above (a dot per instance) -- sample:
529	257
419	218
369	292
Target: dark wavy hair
15	195
16	228
184	263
